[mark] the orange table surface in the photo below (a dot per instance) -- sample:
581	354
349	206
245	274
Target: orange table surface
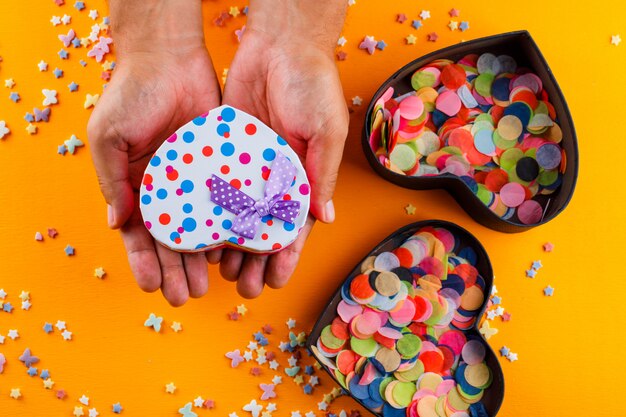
570	346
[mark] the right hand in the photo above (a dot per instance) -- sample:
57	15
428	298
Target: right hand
152	94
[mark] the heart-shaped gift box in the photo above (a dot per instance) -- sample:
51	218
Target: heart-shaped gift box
363	375
551	200
225	178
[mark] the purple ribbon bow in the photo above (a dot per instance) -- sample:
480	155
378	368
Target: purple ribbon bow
249	212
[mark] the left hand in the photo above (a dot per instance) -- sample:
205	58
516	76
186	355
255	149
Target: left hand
292	86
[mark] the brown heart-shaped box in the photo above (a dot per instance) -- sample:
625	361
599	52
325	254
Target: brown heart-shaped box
400	334
523	77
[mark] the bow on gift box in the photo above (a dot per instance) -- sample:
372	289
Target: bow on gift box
249	212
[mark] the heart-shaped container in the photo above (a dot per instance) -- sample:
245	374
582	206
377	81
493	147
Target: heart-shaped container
523	48
494	395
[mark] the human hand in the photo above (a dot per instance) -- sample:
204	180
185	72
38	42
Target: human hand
291	84
160	84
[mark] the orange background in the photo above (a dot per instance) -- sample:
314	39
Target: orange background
570	346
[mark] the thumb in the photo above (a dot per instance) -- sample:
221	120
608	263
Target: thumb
110	159
322	165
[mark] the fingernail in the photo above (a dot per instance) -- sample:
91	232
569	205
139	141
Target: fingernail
110	215
329	212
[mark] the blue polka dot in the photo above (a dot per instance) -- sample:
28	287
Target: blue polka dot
228	114
233	239
201	245
227	149
269	154
187	208
267	218
222	128
288	226
199	121
281	141
161	193
174	236
155	161
186	186
188	137
217	210
189	224
146	199
227	224
172	154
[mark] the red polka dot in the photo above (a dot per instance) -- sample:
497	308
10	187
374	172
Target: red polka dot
226	135
173	175
177	240
244	158
266	174
250	129
147	179
287	197
264	236
164	218
304	189
225	169
207	151
235	183
187	158
270	222
172	138
276	246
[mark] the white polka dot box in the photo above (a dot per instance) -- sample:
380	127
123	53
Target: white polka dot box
225	179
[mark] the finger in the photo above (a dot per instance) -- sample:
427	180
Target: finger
230	264
250	282
142	256
281	265
214	256
110	158
197	274
323	157
174	282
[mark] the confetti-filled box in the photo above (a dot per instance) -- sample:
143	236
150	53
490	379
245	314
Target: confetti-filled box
401	332
485	120
225	179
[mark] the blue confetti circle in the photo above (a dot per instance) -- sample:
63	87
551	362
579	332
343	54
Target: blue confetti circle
155	161
188	137
288	226
187	208
172	154
146	199
281	141
161	193
199	121
227	149
217	210
186	186
222	129
227	224
269	154
174	236
189	224
228	114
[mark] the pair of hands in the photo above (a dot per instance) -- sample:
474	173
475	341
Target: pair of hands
292	87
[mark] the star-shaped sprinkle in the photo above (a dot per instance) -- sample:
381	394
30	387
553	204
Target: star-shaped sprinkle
616	40
185	411
267	329
504	351
496	300
72	87
13	334
307	389
464	26
548	247
1	340
47	328
154	322
292	361
31	129
69	250
15	393
60	325
76	43
198	402
487	331
79	5
61	394
170	388
66	19
32	371
454	12
93	412
52	232
298	379
48	383
117	408
241	309
4	130
453	25
55	20
410	209
357	101
271	407
234	11
261	359
26	305
91	100
176	326
247	355
72	143
381	45
411	39
531	273
511	356
210	404
253	345
15	97
341	56
425	14
416	24
78	411
499	311
314	380
45	374
253	408
291	323
93	14
235	358
506	316
3	294
274	364
9	83
67	335
233	414
99	272
548	291
400	18
233	315
43	66
432	37
341	41
58	73
277	380
322	405
369	44
296	413
536	265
